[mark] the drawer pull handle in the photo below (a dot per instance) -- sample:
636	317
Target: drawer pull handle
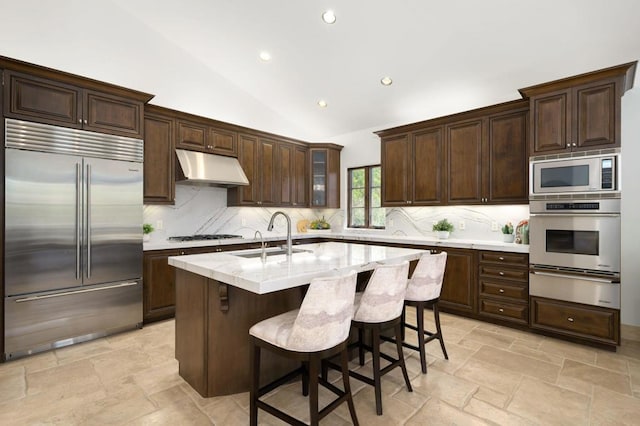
501	258
501	310
501	273
570	319
501	290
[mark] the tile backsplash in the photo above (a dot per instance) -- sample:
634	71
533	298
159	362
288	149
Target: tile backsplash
203	210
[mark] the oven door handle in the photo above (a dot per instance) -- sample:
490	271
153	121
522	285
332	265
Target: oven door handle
574	214
580	277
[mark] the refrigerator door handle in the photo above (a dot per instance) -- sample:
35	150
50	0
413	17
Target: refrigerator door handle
88	221
67	293
78	220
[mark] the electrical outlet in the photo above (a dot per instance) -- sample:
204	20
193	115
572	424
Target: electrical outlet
159	224
243	221
462	225
494	226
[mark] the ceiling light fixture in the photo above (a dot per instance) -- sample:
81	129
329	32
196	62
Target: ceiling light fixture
386	81
265	56
322	103
329	17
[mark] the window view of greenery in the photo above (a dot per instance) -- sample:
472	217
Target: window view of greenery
365	198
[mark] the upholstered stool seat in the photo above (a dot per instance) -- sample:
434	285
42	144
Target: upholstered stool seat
423	291
318	330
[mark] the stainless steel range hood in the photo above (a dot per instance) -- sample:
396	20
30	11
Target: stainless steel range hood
209	169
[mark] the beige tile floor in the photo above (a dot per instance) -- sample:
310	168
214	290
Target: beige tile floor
494	375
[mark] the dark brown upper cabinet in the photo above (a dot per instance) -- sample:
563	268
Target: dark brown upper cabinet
292	174
325	175
477	157
207	137
412	168
578	113
159	157
257	157
43	95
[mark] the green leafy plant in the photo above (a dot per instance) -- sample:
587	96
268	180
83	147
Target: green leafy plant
507	228
320	224
443	225
147	228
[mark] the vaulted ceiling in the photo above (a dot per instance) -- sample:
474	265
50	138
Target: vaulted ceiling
201	56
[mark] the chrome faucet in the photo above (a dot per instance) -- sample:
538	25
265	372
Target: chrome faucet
270	228
263	252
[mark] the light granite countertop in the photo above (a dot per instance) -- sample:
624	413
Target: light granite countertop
360	236
280	272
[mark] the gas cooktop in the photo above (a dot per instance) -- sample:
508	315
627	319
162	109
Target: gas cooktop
201	237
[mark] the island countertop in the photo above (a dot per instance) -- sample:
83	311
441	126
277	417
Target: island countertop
279	272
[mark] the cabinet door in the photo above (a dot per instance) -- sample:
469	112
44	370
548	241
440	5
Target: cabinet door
595	117
396	155
247	155
507	156
319	159
550	122
459	285
159	158
191	136
285	173
223	142
112	114
42	100
267	172
427	167
464	162
159	286
300	173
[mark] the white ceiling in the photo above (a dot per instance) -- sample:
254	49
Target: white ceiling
444	56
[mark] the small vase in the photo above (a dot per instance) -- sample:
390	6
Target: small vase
146	238
443	235
507	238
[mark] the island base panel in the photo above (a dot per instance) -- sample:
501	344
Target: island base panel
212	345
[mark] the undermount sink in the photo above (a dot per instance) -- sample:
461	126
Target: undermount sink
270	252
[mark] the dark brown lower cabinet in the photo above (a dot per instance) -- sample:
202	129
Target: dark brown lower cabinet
459	287
575	320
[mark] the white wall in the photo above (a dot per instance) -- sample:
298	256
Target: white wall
630	311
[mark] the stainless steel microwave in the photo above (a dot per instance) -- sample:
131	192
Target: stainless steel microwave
589	174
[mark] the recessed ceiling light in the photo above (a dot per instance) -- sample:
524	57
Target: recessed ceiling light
386	81
265	56
322	103
329	17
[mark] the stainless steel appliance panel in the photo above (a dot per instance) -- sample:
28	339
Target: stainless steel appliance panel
589	241
573	288
49	320
42	214
113	221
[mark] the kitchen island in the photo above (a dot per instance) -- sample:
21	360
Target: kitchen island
219	296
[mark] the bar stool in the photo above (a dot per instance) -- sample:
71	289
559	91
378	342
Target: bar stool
423	291
377	309
319	329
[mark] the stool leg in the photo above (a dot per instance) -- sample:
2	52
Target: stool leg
421	342
360	347
344	361
403	319
375	342
305	378
254	362
314	367
436	313
403	366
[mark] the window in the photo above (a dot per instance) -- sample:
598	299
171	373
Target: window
365	198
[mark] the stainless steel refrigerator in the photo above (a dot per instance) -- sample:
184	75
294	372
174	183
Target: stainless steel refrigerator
73	236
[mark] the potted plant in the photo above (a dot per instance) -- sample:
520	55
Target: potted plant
443	228
320	225
507	232
147	229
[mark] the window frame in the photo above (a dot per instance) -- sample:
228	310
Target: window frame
367	197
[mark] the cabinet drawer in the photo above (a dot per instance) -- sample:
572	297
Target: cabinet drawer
510	290
515	259
505	273
507	311
590	322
